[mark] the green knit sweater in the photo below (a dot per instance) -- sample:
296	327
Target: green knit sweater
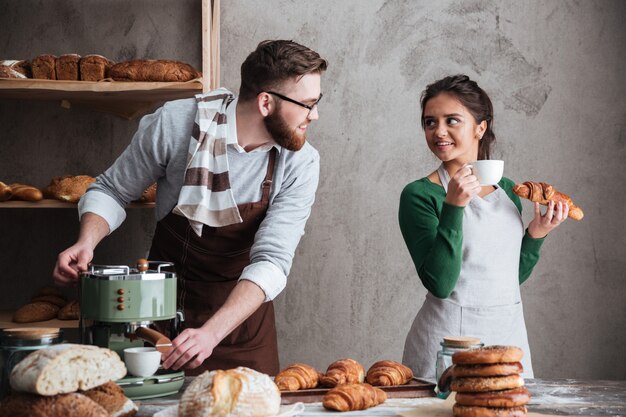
433	232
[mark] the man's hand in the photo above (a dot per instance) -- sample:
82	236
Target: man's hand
190	349
70	263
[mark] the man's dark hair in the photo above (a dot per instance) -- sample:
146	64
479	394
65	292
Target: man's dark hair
274	62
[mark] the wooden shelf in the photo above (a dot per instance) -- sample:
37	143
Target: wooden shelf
125	99
56	204
7	323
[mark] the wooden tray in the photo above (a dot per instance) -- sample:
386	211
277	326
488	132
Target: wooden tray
415	388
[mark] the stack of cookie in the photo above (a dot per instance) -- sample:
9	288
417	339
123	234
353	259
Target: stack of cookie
488	382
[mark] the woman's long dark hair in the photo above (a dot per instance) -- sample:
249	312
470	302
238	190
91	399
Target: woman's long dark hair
474	98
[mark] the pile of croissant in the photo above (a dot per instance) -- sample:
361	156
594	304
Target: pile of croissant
347	379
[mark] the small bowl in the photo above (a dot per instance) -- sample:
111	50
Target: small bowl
142	361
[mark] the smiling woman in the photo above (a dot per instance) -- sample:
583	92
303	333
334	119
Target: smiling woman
467	241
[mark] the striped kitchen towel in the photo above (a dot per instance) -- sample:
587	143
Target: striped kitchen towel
206	197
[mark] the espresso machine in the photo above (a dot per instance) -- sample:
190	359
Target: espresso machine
118	307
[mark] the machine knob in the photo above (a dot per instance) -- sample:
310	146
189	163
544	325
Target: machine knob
120	291
120	299
142	265
120	307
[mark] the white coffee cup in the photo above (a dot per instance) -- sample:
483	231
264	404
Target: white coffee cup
142	361
488	171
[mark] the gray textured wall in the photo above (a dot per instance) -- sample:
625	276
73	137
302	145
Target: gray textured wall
554	71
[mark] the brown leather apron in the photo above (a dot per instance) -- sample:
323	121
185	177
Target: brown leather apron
208	269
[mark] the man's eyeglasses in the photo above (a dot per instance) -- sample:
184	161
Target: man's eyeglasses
306	106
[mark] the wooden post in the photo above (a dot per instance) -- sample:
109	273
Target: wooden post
210	44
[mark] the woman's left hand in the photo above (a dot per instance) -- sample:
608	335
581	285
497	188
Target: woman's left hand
541	225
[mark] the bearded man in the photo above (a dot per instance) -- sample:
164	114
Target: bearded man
236	180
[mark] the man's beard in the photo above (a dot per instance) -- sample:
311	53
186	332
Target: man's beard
282	134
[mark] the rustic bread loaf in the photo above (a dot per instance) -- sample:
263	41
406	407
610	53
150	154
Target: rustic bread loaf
153	70
68	188
35	311
65	368
67	67
94	67
235	392
111	397
44	67
63	405
70	311
21	66
8	72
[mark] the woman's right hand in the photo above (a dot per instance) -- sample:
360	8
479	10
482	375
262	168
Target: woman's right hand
70	263
462	187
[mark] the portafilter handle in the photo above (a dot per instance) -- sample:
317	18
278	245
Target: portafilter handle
161	342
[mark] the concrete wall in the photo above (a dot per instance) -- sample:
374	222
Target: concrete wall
554	72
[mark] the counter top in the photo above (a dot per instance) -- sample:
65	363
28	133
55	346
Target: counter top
549	397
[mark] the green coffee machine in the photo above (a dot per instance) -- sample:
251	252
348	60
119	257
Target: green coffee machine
119	307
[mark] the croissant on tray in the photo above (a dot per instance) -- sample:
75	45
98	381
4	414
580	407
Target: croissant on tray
343	371
543	193
387	373
353	397
296	377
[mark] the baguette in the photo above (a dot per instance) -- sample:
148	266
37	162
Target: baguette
25	192
66	368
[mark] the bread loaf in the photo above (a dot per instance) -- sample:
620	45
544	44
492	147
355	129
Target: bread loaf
236	392
35	311
22	67
67	67
68	188
70	311
94	67
64	405
5	192
111	397
153	70
44	67
7	72
66	368
52	299
25	192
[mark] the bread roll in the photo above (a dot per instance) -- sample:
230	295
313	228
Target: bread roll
66	368
35	311
67	67
343	371
5	191
44	67
64	405
153	70
235	392
94	67
111	397
25	192
70	311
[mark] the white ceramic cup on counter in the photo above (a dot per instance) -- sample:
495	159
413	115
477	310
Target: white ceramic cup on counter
142	361
488	171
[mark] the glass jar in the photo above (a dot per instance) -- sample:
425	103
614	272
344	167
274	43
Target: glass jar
16	344
449	346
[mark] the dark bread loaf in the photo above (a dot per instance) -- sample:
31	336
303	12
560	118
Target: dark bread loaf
44	67
52	299
111	397
94	67
35	311
21	66
67	67
70	311
62	405
153	70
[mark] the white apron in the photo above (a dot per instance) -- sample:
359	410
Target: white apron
486	301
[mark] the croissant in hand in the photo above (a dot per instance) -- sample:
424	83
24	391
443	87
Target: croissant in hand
296	377
344	371
353	397
543	193
387	373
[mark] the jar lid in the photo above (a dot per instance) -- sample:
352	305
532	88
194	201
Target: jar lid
31	333
460	341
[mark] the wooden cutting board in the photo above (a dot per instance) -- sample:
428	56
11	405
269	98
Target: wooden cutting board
415	388
7	323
